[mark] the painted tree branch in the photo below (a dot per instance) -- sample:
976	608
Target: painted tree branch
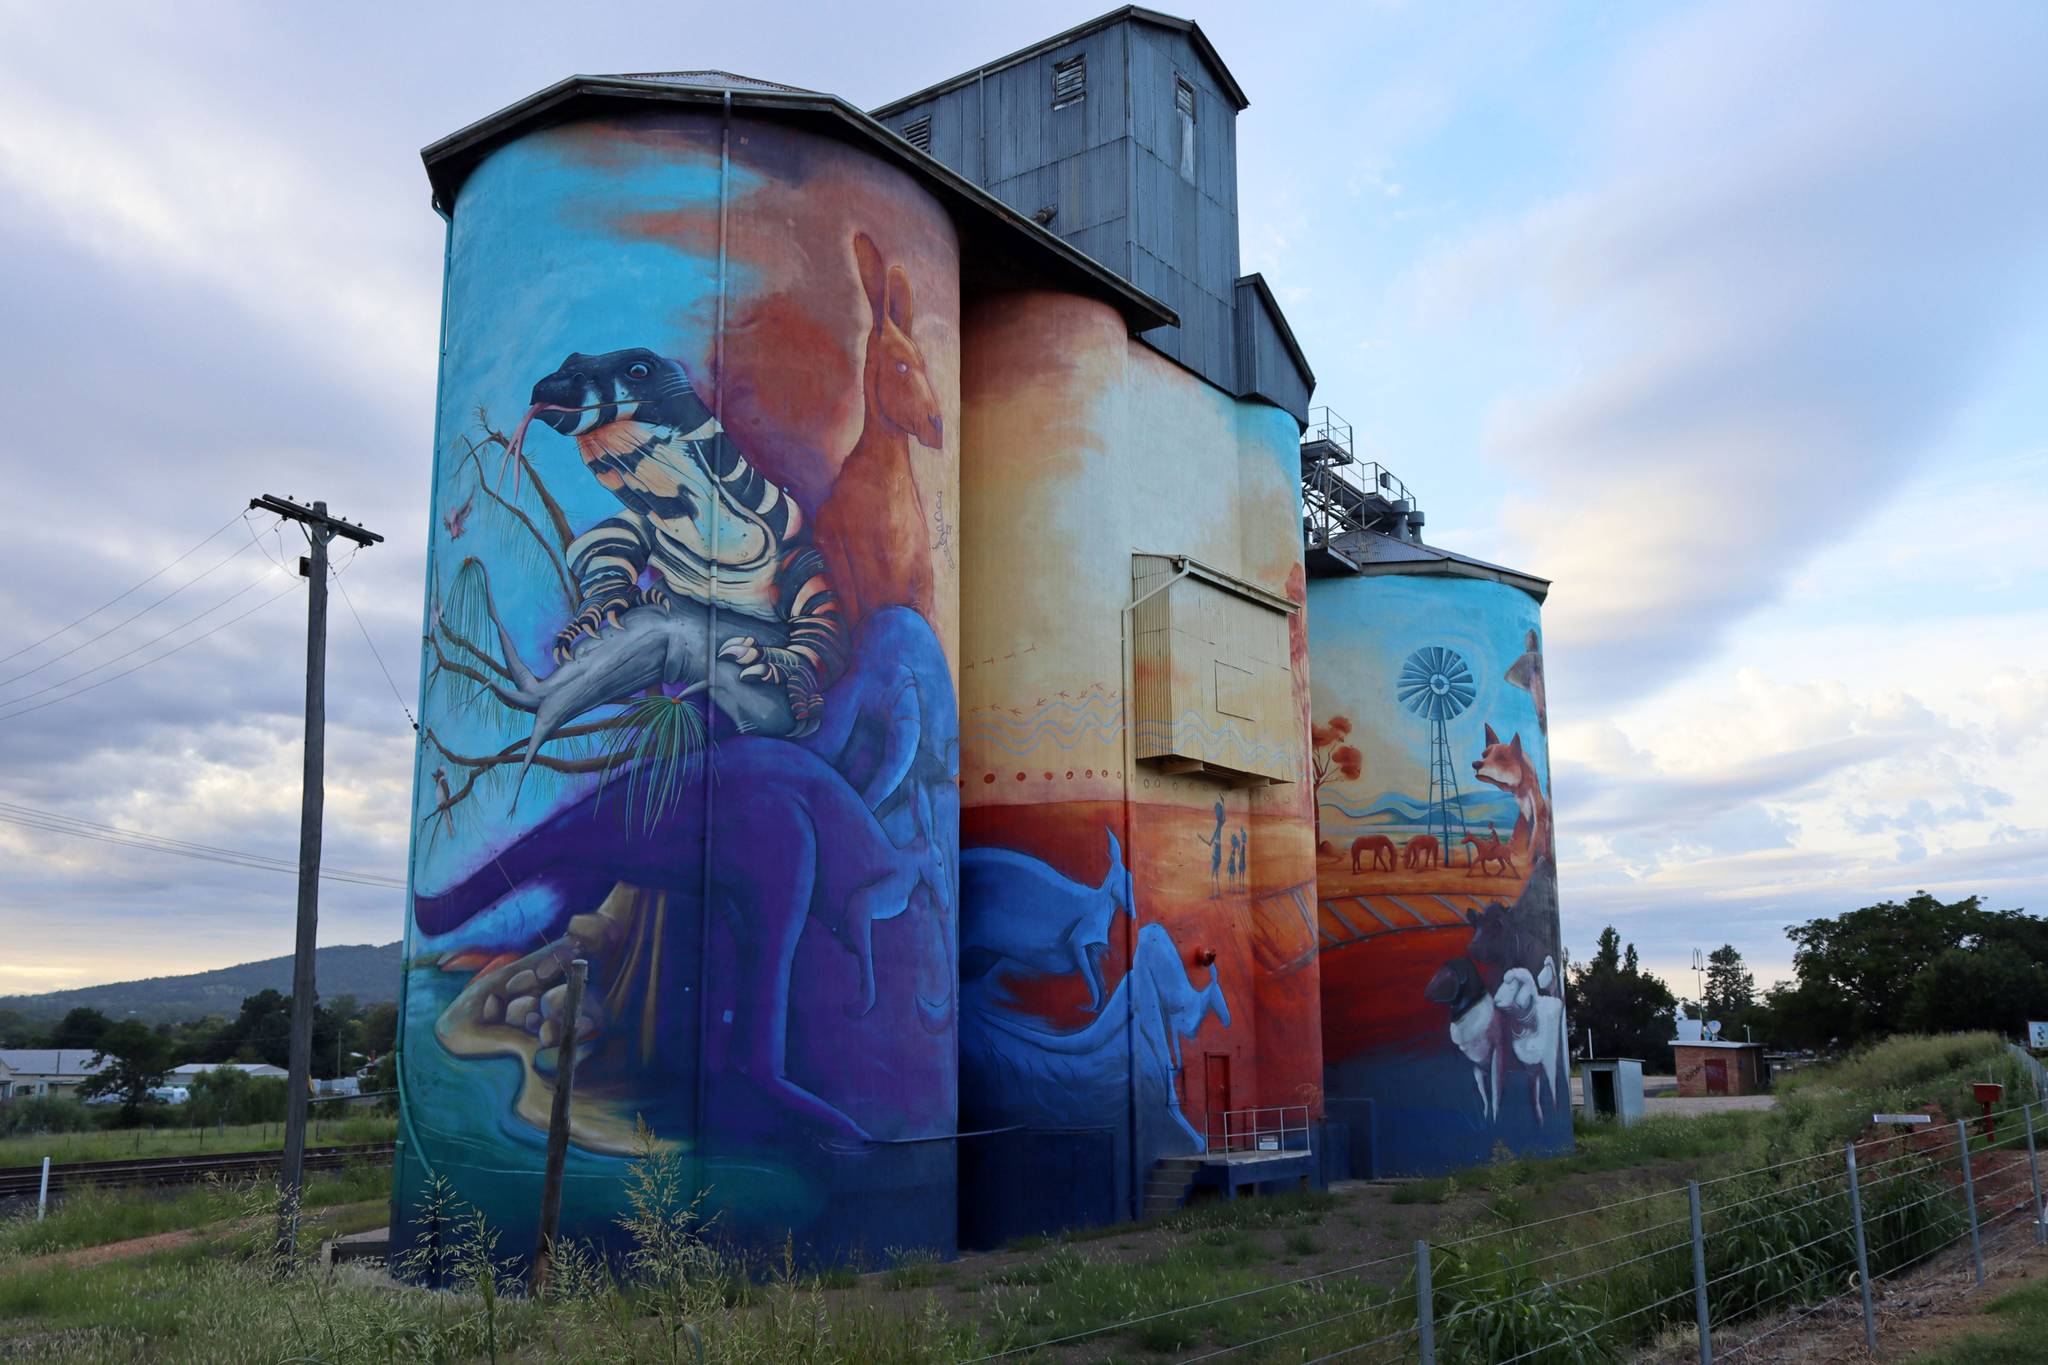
556	516
554	554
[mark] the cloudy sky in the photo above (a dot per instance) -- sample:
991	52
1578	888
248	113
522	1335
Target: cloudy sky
1732	319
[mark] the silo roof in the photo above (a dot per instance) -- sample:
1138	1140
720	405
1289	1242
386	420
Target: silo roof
999	245
1131	13
1371	554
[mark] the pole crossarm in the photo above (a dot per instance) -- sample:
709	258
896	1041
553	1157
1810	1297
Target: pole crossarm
316	516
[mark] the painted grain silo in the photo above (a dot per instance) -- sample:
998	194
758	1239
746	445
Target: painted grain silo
1137	947
689	707
1443	1012
869	622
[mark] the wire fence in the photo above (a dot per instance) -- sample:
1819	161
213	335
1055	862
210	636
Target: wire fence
1717	1269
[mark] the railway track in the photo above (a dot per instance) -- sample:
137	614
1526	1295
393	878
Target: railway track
17	1182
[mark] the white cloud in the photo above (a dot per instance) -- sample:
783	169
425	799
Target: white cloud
1805	242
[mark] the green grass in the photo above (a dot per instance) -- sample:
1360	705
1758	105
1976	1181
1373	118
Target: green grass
113	1144
95	1217
2018	1334
1434	1190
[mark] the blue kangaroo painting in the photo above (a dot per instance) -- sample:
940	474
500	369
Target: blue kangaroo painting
689	702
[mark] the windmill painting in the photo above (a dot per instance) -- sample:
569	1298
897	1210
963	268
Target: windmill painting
1436	685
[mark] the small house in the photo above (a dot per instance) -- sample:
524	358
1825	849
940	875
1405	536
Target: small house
1712	1067
45	1070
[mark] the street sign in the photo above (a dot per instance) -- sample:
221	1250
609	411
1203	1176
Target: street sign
2037	1034
1902	1118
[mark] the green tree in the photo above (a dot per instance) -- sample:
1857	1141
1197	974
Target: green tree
1861	974
379	1033
1981	988
131	1058
1730	989
15	1029
1628	1009
225	1095
82	1027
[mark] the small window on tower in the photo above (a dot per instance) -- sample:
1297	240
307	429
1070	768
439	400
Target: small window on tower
1070	81
918	133
1184	107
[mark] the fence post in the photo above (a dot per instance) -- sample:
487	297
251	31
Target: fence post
43	1192
1862	1254
1970	1196
2034	1172
1699	1272
1425	1308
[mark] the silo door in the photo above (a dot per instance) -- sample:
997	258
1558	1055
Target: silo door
1216	1094
1717	1076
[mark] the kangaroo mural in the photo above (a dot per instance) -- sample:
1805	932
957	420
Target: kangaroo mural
1022	1072
872	529
1028	915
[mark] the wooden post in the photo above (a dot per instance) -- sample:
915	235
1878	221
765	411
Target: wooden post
320	529
558	1128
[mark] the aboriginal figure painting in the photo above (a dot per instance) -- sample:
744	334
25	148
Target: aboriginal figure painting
1436	868
689	698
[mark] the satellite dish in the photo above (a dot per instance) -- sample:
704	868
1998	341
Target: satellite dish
1713	1028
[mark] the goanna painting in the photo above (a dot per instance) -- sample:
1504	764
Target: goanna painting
689	704
1436	869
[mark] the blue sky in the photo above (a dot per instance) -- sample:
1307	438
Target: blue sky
1731	319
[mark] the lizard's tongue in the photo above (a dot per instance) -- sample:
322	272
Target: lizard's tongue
515	450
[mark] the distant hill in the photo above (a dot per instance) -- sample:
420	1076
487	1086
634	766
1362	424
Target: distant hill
369	973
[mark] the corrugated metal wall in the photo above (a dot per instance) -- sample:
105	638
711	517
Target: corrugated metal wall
1110	164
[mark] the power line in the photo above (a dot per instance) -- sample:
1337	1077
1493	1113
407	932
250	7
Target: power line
31	817
4	658
133	650
398	696
67	696
124	621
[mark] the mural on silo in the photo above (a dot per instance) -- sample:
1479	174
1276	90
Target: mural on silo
1127	934
1437	888
689	707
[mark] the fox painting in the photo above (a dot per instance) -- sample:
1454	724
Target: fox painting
1505	766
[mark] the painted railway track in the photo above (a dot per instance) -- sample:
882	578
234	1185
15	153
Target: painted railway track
18	1182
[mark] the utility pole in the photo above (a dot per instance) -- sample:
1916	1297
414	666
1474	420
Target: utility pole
320	529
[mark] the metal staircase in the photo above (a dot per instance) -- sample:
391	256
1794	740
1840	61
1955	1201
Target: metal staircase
1342	496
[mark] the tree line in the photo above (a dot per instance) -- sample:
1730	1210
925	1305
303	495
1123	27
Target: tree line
347	1038
1921	965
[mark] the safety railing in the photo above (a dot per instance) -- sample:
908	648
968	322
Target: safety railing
1274	1128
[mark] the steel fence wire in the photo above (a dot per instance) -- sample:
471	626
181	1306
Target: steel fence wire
1677	1191
1235	1347
1914	1206
1583	1332
1343	1351
1764	1170
1564	1251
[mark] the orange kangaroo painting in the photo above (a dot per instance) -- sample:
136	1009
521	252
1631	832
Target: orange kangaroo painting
872	529
1374	844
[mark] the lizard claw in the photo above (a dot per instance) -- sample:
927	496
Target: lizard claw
741	649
